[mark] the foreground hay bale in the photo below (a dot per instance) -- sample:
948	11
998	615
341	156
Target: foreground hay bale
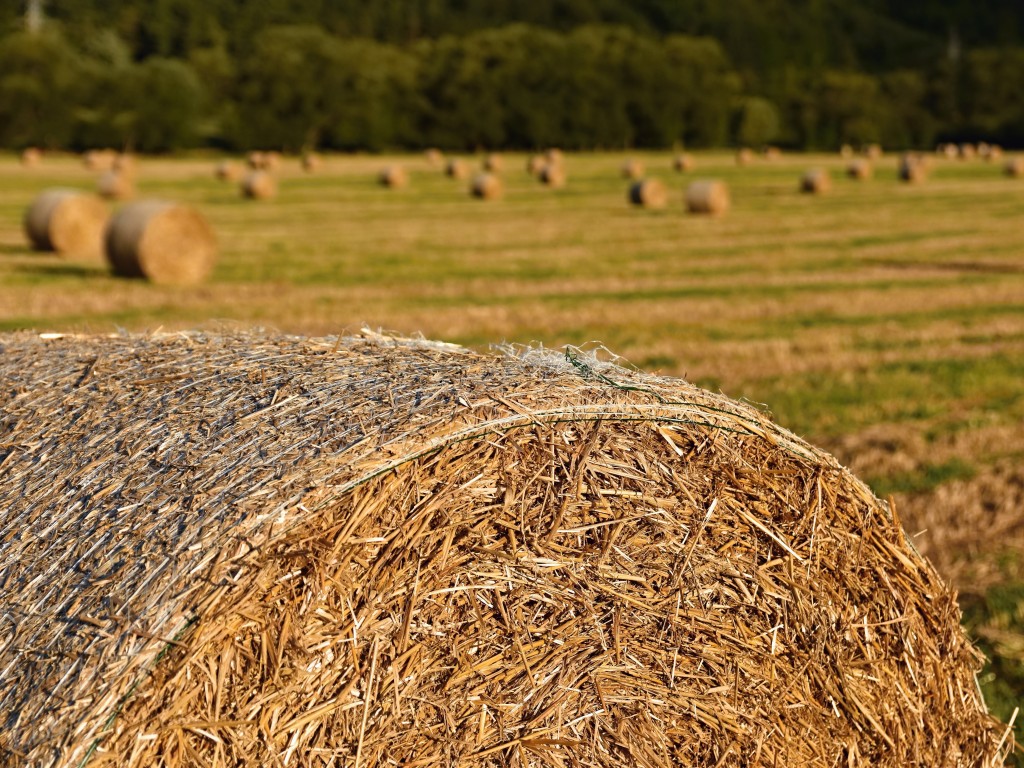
816	181
68	222
226	170
860	169
707	196
162	242
258	185
486	186
393	176
31	157
632	169
395	552
115	185
648	193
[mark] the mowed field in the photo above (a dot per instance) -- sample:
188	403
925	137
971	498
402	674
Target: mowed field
882	321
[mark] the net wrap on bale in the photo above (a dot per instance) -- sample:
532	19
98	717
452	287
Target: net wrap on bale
249	549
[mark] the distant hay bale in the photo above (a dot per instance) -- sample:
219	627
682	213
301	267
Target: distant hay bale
632	169
125	163
255	550
256	160
67	222
456	169
682	162
311	162
552	175
968	151
744	156
846	151
535	164
271	161
486	186
992	153
31	157
493	163
163	242
226	170
860	168
393	176
948	150
115	185
258	185
433	157
912	168
1014	167
648	193
872	151
554	156
707	196
99	159
816	181
771	153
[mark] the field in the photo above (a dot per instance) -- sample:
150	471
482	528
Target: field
882	321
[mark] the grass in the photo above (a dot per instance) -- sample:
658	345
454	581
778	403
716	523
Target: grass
878	308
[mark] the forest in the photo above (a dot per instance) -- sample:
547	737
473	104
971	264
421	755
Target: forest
169	75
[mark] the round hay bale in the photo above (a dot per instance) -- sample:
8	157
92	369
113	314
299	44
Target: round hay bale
993	153
744	156
311	162
632	169
271	161
434	157
163	242
115	185
226	170
846	151
256	160
1014	167
456	169
771	153
554	156
486	186
872	151
816	181
258	185
399	552
682	163
99	159
125	163
707	196
860	168
535	164
494	163
31	157
68	222
912	168
393	177
968	151
552	175
948	150
648	193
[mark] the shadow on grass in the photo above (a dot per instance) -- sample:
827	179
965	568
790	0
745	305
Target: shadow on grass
60	269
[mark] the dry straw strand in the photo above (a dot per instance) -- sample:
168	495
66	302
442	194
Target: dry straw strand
245	549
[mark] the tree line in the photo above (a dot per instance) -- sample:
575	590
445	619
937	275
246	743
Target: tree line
181	76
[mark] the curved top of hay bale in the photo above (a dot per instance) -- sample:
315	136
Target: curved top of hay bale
164	242
255	550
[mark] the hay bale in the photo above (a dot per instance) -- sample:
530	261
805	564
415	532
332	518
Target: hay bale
968	151
1014	167
486	186
68	222
860	168
115	185
816	181
554	156
434	157
948	150
682	163
912	168
456	169
872	151
707	196
125	163
311	162
744	156
393	177
771	153
535	164
846	151
271	161
648	193
255	160
552	175
258	185
99	159
163	242
393	552
226	170
493	163
31	157
632	169
992	153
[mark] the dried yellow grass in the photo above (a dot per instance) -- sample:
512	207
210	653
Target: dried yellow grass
255	551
